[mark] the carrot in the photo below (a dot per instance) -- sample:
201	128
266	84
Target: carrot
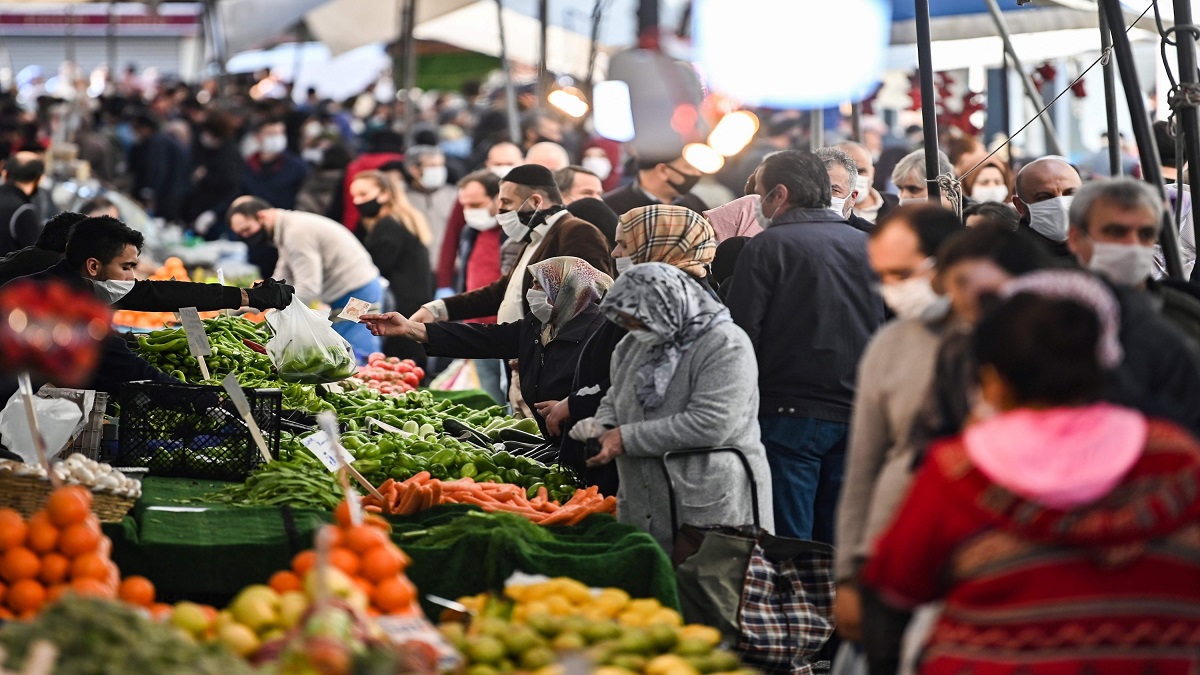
408	503
420	478
395	497
436	490
387	485
578	518
426	497
371	508
562	516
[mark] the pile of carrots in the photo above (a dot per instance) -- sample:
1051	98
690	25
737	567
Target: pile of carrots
422	492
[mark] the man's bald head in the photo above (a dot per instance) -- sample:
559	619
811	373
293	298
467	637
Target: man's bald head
24	170
550	155
865	163
1044	179
504	154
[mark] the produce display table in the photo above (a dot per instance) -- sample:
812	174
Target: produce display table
195	549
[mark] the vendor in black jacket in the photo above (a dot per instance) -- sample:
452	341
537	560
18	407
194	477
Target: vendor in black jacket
101	255
563	314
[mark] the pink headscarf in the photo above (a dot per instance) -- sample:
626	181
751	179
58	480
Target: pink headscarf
735	219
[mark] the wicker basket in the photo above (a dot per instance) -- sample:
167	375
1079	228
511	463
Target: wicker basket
27	494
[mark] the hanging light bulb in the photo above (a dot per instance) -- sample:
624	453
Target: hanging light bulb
734	132
703	157
570	101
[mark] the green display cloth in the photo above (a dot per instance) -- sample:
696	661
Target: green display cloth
217	551
472	398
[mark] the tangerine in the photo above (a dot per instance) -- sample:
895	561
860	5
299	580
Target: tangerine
79	539
136	591
69	505
381	563
12	529
341	515
55	568
393	594
303	562
345	560
90	566
18	564
53	593
364	538
25	596
284	581
92	588
43	535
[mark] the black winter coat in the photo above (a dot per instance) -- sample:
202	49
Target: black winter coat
547	371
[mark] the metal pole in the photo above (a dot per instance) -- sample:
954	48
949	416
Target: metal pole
510	92
1142	130
1189	118
1031	91
856	122
1110	101
543	74
112	43
410	72
1006	99
71	35
816	129
928	102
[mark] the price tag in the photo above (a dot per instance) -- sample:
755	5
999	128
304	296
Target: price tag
238	397
354	309
197	339
221	281
323	448
328	424
401	630
387	427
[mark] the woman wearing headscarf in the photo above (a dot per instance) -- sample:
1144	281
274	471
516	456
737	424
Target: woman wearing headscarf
1061	531
660	233
738	218
685	377
562	314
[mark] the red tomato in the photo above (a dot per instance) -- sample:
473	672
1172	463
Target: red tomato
419	372
411	379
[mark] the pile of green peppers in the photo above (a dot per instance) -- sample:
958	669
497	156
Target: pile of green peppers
316	365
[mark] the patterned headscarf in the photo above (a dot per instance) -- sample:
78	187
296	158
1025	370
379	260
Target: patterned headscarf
669	234
1087	291
571	285
671	305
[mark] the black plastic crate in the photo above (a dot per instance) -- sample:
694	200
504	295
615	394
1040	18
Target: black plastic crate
194	431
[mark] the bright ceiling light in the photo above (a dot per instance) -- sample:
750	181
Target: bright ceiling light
703	157
734	132
612	112
570	101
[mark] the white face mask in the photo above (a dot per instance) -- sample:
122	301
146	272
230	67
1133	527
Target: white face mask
646	337
480	219
501	170
990	193
1124	264
511	222
761	216
599	166
539	304
273	145
837	204
433	177
623	264
1049	218
313	155
864	190
909	298
913	200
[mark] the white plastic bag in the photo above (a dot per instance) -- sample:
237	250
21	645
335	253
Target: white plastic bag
58	419
305	347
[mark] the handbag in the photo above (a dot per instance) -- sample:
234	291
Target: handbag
771	597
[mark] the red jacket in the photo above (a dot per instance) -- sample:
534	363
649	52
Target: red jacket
1109	588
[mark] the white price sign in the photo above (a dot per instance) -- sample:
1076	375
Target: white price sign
197	339
323	448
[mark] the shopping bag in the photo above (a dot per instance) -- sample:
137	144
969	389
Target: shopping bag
460	375
305	348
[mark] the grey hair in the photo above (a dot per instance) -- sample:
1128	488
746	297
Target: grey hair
914	162
831	156
416	153
1125	193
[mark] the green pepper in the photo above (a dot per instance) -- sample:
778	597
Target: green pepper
468	470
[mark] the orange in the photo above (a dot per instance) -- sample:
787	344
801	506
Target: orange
136	591
89	566
303	562
92	588
26	595
5	614
345	560
341	515
161	611
53	593
284	581
55	568
69	505
12	529
364	538
381	563
393	594
18	564
43	535
363	585
3	592
79	539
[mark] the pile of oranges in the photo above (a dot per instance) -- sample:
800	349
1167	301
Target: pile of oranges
367	556
59	550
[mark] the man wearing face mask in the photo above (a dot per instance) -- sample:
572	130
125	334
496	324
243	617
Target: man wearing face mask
426	175
503	157
530	211
659	182
1045	188
911	181
1114	229
273	173
870	204
843	186
479	243
804	292
576	182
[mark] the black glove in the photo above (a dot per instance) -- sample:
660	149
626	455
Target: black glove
270	294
